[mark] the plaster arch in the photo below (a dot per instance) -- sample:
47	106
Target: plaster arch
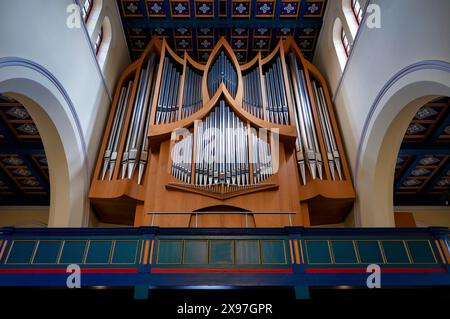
54	115
383	131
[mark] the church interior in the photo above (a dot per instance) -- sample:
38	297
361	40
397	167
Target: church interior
149	147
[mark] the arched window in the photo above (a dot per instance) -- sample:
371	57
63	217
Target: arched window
98	40
345	42
338	41
86	9
103	42
92	11
357	10
350	18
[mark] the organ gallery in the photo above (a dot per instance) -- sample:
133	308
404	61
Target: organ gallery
222	144
225	158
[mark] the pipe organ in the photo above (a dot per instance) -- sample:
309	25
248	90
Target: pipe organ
222	144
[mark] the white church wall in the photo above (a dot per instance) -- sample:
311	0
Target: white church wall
412	31
37	31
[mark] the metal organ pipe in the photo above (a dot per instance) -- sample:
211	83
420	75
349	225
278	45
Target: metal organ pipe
136	147
131	127
143	133
141	119
110	157
305	119
327	132
276	106
167	109
182	160
252	100
192	96
298	141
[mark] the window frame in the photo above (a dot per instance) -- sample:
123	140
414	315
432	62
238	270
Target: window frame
86	10
98	41
345	42
357	10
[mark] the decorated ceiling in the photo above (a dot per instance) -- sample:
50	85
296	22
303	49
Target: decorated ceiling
23	165
422	175
195	26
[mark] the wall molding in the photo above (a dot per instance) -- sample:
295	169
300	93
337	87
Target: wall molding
16	61
418	66
422	209
28	64
25	209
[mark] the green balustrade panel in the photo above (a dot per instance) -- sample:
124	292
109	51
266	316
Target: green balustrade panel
169	252
395	252
369	252
47	252
273	252
125	252
318	252
421	252
221	252
247	252
195	252
344	252
73	252
99	252
21	252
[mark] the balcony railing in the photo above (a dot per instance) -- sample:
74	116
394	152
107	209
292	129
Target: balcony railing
171	257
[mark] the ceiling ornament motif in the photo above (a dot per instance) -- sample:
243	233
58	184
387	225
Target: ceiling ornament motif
24	176
28	128
423	163
195	26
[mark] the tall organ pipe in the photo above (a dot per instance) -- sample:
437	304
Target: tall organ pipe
305	119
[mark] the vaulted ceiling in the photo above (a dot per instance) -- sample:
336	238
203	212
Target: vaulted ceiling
23	165
195	26
422	175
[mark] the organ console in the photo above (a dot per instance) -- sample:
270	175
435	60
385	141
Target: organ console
222	144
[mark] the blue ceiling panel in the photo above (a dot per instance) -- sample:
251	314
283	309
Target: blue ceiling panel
24	178
194	26
422	175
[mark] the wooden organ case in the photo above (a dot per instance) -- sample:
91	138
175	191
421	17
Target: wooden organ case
221	144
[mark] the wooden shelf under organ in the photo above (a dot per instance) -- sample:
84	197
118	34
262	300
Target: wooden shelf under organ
222	144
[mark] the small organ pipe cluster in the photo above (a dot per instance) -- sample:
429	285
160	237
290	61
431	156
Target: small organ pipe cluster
222	149
182	159
307	139
167	110
136	148
222	72
192	97
190	136
252	99
277	109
